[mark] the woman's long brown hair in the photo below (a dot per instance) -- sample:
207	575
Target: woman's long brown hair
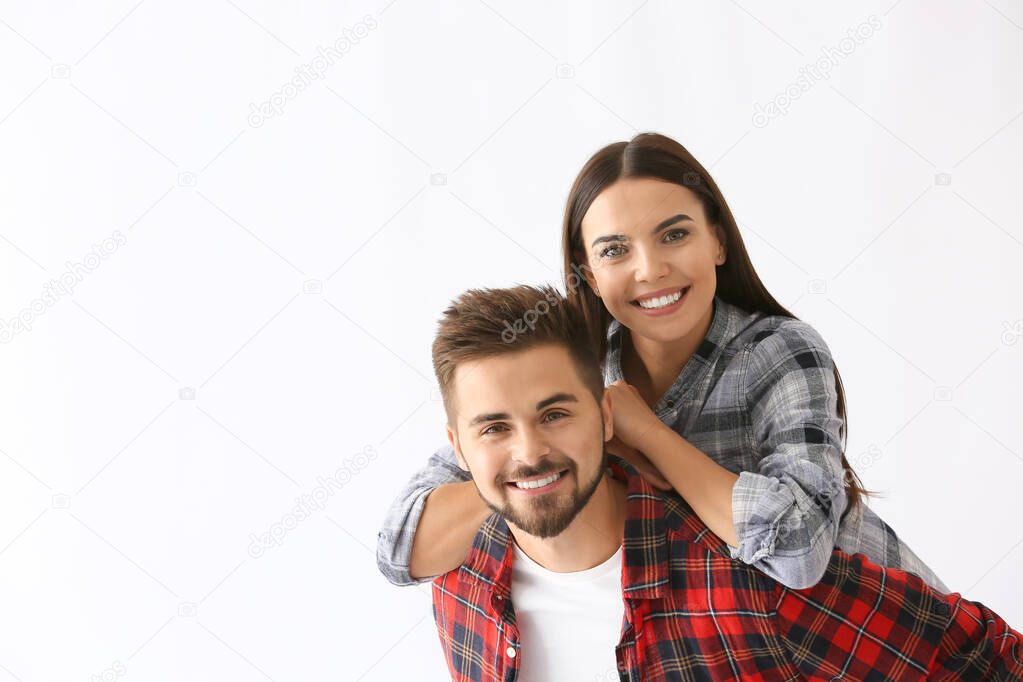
650	155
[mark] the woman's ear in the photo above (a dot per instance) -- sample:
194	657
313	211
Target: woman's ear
722	246
587	271
590	279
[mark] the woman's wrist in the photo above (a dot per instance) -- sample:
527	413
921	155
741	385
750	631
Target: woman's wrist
651	439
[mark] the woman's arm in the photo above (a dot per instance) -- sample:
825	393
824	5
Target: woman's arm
787	512
783	517
452	515
702	482
430	526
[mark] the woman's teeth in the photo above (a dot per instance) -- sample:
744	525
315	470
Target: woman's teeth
539	483
661	302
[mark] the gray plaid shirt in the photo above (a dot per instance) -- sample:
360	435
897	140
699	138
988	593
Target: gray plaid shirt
759	397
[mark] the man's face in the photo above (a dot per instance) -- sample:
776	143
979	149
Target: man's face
531	435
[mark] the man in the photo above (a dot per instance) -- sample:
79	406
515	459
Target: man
586	572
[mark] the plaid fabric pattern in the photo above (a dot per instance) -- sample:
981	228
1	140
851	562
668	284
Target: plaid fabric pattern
759	397
692	612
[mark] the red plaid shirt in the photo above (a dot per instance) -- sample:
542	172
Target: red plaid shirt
694	613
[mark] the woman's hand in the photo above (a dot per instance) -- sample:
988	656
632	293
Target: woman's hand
633	418
640	461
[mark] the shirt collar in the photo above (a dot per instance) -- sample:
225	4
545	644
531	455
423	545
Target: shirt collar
649	517
727	320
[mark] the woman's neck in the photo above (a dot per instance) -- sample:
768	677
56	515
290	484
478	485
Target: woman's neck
652	366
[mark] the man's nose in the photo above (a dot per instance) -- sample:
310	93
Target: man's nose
532	447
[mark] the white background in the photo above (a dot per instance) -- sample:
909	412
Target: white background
291	275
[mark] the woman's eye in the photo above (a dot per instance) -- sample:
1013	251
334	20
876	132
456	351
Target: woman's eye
608	251
675	235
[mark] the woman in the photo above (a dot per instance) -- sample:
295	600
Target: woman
717	390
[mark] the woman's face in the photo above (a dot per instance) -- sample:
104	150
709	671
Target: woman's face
652	256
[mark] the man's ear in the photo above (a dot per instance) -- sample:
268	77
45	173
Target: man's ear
608	416
453	439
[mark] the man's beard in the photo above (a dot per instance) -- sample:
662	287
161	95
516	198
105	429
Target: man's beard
545	516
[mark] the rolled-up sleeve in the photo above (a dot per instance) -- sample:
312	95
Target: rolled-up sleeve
394	541
787	511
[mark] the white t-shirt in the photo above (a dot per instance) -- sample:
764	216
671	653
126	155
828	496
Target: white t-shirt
569	623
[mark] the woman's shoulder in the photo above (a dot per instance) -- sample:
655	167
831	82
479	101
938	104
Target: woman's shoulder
774	346
769	337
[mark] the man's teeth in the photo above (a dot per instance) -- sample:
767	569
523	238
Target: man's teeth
539	483
662	301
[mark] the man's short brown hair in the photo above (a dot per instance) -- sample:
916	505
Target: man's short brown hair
483	323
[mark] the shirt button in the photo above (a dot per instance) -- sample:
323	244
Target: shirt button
510	651
670	403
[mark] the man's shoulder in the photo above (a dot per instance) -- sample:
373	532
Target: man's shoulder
486	564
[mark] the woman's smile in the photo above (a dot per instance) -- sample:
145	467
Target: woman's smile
663	302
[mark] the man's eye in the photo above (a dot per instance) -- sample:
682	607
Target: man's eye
487	431
554	414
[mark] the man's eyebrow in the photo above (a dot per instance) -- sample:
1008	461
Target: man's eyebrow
483	418
660	226
556	398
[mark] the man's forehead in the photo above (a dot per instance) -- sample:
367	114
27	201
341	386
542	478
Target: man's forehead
514	382
508	369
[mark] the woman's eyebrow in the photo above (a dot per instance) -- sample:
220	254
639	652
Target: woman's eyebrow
660	226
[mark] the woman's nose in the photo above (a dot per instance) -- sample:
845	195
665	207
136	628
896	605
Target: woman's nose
650	266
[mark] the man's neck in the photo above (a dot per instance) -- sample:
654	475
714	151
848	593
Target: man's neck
591	539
